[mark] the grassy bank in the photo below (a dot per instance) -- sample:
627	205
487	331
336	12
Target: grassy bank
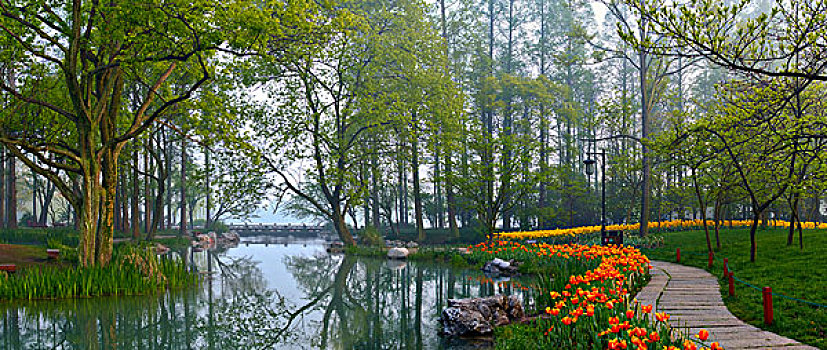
134	270
794	272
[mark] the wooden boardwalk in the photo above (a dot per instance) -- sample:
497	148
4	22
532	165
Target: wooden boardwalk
692	297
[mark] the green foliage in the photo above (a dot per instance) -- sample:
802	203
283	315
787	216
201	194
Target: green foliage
40	236
467	235
458	261
219	227
371	236
366	251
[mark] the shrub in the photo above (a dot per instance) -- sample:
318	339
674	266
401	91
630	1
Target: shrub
371	236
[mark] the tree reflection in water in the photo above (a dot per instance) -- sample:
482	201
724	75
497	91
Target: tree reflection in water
305	299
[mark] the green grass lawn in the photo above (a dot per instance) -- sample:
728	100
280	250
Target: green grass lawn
788	270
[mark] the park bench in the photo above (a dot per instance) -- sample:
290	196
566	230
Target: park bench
10	268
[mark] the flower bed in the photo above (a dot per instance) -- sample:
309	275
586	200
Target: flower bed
589	299
670	225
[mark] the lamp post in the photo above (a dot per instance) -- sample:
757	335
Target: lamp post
590	171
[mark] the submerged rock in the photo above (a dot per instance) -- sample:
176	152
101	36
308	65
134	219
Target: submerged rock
395	264
398	253
479	316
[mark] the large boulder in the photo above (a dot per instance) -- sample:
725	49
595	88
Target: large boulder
398	253
501	267
231	236
161	249
479	316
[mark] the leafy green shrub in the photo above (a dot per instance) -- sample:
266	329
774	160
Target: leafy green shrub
458	261
66	236
219	227
371	236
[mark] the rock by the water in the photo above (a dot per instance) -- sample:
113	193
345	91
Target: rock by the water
479	316
161	249
231	236
398	253
500	263
501	267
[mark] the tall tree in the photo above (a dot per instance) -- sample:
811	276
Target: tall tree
335	96
72	61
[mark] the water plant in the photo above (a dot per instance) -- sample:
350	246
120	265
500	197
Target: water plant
135	270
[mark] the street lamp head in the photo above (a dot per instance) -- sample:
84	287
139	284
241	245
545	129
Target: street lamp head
589	166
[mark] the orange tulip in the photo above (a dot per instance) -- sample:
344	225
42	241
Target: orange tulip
703	335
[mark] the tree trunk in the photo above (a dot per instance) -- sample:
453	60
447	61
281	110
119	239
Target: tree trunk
341	227
644	119
364	177
105	233
49	194
440	211
119	204
3	156
136	216
717	224
35	191
208	188
168	164
793	203
752	248
702	205
11	192
124	205
95	202
420	228
163	176
452	204
182	231
374	189
159	165
147	187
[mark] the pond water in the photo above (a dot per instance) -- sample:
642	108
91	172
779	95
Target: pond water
257	296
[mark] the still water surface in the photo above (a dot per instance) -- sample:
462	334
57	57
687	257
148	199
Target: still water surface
285	296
